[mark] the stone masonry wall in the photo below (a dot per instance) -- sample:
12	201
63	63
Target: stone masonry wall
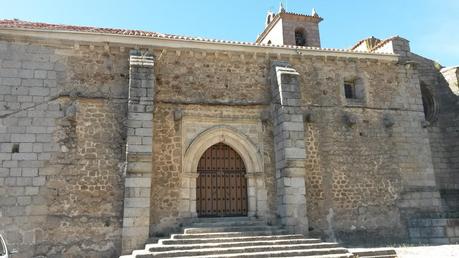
370	163
169	144
443	130
61	134
362	167
84	182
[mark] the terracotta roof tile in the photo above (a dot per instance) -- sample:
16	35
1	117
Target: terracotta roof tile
19	24
61	27
363	40
377	46
384	42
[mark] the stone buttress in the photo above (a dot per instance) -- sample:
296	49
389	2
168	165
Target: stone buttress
289	148
136	219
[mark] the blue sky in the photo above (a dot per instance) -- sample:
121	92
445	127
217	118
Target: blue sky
431	25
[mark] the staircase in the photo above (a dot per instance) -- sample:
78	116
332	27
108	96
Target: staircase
240	237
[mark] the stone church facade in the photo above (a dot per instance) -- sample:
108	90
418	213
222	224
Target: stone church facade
109	137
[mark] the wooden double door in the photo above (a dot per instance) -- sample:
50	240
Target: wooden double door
221	187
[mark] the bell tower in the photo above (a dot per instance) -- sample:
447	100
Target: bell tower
286	28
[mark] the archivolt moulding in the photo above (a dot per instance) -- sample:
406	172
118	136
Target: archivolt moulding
239	142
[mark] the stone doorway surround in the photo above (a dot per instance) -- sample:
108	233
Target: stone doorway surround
257	194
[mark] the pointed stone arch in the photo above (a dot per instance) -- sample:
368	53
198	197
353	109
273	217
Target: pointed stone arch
250	154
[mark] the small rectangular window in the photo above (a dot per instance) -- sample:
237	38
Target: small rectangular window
349	90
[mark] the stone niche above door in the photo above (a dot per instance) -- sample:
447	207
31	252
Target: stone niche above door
243	134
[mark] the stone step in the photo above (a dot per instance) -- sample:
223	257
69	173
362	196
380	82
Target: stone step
231	239
227	219
277	251
230	229
237	223
263	254
374	253
230	234
378	256
276	254
312	243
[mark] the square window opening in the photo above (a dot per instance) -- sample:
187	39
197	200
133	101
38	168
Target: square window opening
349	90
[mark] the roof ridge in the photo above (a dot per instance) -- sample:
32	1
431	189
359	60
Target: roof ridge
384	42
361	41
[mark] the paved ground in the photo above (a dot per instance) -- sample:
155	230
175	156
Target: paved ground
443	251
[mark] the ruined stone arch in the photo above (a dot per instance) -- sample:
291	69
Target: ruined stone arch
257	194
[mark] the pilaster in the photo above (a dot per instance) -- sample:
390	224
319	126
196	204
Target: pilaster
290	150
136	219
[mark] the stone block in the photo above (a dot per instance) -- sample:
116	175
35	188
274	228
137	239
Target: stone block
140	148
438	232
26	147
26	74
37	129
24	181
31	164
140	116
40	74
10	164
293	126
23	137
133	140
38	91
15	211
4	172
43	137
11	64
39	181
32	190
8	72
30	172
24	156
137	202
15	172
414	233
33	83
144	182
38	65
426	232
37	147
143	132
139	167
5	156
295	153
147	140
11	181
439	241
450	232
439	222
135	212
5	90
11	82
24	200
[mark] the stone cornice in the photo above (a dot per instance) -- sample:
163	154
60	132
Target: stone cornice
136	41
